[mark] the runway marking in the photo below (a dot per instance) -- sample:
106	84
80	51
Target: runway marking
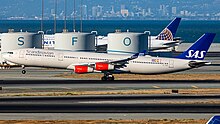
194	86
156	87
66	88
111	87
24	88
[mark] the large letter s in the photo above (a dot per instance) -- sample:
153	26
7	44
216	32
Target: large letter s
190	54
20	41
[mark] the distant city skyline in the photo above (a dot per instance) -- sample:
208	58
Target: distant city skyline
111	9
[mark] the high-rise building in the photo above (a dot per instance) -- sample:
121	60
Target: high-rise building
124	12
163	10
84	11
122	6
112	9
94	11
99	11
174	10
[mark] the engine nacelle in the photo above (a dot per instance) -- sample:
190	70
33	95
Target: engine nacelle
82	69
101	66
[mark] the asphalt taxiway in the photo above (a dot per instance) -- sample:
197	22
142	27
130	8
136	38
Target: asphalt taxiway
122	109
109	104
103	116
109	85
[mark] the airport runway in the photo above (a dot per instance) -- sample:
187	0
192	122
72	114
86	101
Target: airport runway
106	104
103	116
45	79
90	85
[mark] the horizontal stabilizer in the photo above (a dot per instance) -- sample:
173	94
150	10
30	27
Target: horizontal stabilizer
194	64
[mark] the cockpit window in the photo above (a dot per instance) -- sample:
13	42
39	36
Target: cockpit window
10	52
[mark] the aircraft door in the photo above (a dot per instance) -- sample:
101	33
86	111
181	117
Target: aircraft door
171	64
60	57
21	54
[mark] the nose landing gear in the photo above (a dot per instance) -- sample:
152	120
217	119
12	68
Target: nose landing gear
23	69
108	77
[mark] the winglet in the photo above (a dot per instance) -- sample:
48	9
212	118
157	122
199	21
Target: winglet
135	56
170	31
214	120
143	53
199	49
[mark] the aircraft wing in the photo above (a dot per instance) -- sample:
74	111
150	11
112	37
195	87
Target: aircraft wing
104	65
130	58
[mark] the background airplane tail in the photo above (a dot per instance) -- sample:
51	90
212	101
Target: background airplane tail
199	49
170	31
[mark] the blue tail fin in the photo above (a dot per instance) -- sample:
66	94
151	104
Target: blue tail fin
214	120
199	49
170	31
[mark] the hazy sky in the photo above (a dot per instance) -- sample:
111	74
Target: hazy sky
33	7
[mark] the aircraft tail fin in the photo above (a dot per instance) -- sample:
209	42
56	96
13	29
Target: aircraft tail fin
170	31
214	120
199	49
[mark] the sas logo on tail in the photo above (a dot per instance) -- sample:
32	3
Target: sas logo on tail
166	34
197	54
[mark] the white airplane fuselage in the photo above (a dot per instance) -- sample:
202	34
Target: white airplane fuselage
153	43
69	59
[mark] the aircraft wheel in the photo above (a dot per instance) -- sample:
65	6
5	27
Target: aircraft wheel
23	71
111	78
104	78
108	77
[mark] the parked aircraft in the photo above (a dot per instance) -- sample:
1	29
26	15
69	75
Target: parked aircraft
165	39
162	41
88	62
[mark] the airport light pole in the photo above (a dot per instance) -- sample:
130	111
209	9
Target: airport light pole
42	16
65	6
81	25
55	16
74	15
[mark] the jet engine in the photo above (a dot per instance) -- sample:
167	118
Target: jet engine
82	69
101	66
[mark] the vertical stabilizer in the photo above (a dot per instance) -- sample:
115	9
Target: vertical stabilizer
214	120
199	49
170	31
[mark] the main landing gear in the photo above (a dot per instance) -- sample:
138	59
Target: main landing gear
23	69
108	77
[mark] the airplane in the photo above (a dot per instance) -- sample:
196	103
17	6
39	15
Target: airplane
165	39
109	64
162	41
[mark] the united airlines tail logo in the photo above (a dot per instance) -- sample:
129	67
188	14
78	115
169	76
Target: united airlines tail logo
196	54
166	34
